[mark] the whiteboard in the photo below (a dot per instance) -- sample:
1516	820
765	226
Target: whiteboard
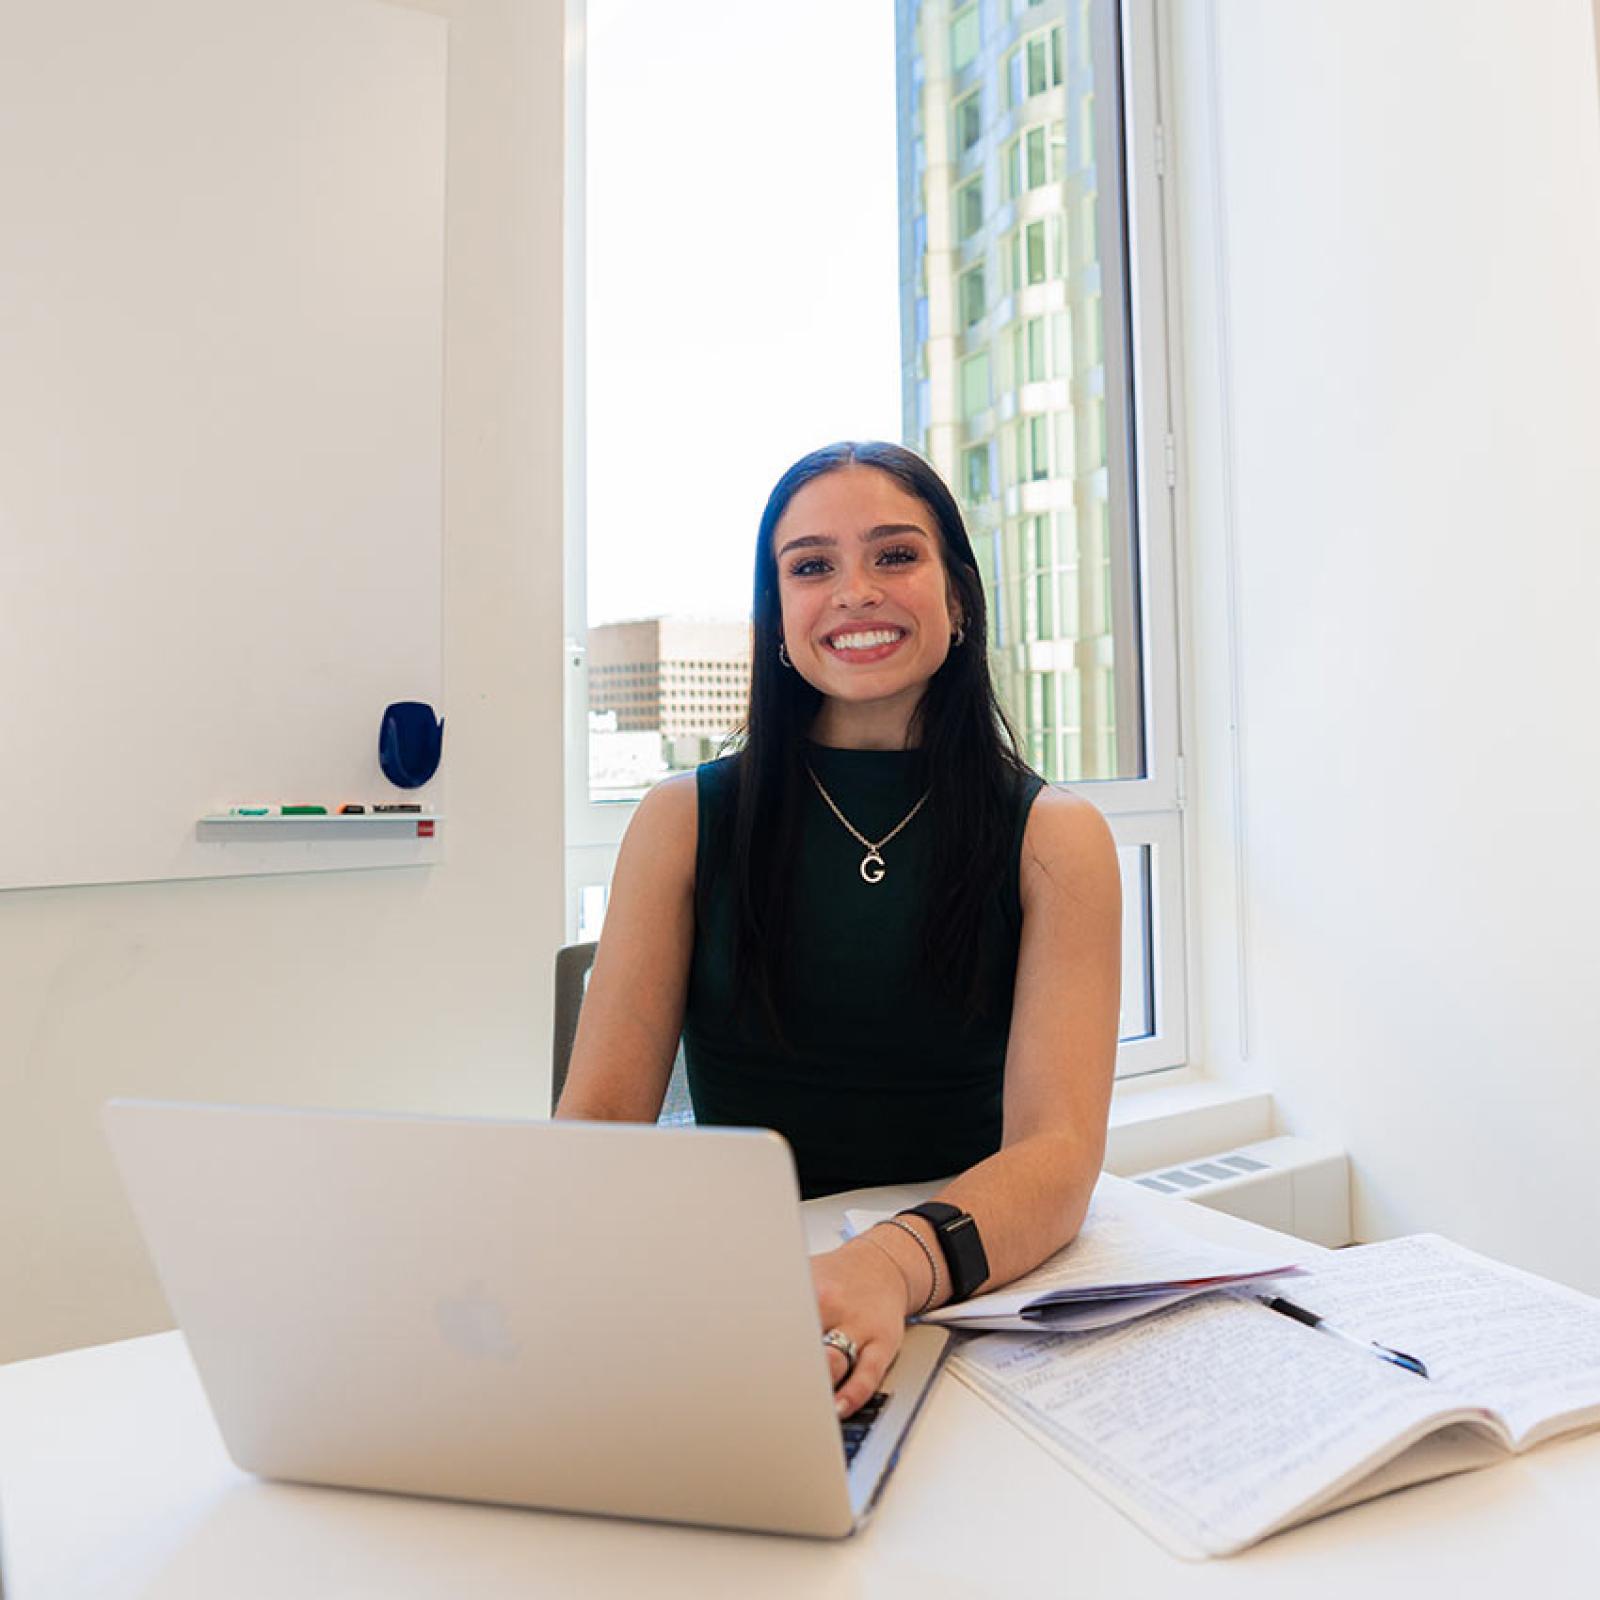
221	384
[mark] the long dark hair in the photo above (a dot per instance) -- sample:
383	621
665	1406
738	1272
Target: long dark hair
967	748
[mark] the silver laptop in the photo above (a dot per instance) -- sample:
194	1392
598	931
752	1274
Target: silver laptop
577	1316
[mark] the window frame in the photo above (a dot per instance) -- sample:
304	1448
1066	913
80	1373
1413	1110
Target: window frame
1037	41
1148	811
1051	42
594	828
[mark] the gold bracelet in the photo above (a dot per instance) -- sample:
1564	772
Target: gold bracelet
922	1245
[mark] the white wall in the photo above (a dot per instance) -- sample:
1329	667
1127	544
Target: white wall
417	989
1390	229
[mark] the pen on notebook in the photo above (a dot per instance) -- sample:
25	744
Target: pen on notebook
1288	1308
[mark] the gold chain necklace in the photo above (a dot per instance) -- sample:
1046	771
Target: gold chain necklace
872	867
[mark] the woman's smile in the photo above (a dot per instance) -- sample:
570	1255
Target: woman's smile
861	646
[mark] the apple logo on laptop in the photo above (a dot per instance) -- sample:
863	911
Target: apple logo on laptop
474	1322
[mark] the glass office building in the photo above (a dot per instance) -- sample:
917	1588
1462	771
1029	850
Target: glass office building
1014	349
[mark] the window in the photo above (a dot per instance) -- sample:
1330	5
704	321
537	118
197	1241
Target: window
1079	568
970	296
1011	76
1038	49
1035	366
1038	165
975	472
969	208
1036	252
969	122
1040	60
1038	447
1091	686
964	39
1011	261
974	385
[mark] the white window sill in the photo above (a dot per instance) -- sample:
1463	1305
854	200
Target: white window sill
1166	1118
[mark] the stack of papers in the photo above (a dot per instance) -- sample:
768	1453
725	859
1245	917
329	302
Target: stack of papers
1122	1265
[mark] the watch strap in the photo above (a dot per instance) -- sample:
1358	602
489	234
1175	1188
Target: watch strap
959	1242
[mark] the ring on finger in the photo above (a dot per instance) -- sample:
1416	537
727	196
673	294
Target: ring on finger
838	1339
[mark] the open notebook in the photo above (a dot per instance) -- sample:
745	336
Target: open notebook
1218	1422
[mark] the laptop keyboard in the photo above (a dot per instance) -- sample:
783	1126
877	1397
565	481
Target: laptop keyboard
858	1424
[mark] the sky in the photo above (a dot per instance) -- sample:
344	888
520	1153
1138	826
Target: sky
742	278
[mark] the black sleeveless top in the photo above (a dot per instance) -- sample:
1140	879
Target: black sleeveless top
880	1077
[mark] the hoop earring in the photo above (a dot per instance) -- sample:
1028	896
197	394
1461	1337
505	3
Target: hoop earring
783	655
958	638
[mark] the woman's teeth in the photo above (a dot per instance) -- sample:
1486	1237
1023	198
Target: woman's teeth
864	641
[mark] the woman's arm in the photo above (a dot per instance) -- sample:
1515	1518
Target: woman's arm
1029	1198
1062	1055
633	1010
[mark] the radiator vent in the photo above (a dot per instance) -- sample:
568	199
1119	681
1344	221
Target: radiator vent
1298	1186
1218	1169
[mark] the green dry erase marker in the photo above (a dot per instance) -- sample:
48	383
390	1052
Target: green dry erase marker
305	811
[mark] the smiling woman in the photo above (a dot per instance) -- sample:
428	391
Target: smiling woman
876	929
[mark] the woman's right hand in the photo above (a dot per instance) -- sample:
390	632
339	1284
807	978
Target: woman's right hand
862	1292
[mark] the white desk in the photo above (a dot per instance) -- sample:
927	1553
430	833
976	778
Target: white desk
114	1484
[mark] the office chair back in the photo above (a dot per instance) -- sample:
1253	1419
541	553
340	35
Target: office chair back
573	962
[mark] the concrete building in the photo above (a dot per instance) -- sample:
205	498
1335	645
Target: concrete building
686	679
1013	338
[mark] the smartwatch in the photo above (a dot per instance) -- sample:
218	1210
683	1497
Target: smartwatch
957	1234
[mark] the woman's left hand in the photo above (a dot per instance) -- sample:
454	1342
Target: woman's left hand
862	1292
